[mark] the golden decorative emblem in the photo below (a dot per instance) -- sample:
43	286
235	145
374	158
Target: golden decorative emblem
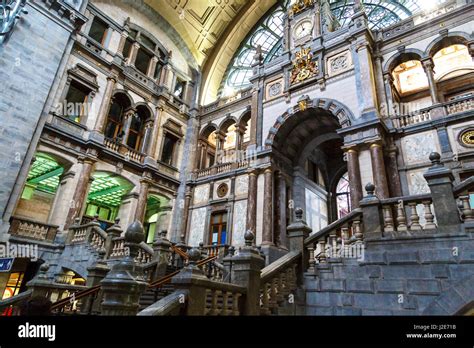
222	190
303	66
300	5
467	137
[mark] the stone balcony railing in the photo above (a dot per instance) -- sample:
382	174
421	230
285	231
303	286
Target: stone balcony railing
31	229
424	115
220	169
124	150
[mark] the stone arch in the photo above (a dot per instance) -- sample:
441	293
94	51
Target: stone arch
339	111
124	93
454	301
146	107
207	130
313	143
227	122
245	116
453	38
59	157
402	57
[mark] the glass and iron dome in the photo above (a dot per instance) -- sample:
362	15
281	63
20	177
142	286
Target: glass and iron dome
269	32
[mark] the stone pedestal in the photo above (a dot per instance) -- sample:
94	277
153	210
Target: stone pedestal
373	219
95	275
41	284
125	283
440	180
246	269
161	249
298	231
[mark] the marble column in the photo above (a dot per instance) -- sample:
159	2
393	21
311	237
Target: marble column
220	141
367	95
106	100
379	172
267	235
197	160
355	182
382	97
184	221
80	193
154	134
140	211
393	174
152	67
127	122
388	85
428	66
281	199
252	201
145	145
254	117
133	53
121	46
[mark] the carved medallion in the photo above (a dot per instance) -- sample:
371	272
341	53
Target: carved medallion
222	190
467	137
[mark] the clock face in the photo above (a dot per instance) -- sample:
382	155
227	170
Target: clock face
302	29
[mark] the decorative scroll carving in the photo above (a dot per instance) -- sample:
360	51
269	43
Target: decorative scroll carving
339	63
303	66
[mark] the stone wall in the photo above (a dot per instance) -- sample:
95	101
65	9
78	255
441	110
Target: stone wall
399	277
30	60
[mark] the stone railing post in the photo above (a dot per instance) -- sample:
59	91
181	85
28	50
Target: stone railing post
298	231
193	280
113	231
372	214
246	272
161	248
440	180
96	273
125	282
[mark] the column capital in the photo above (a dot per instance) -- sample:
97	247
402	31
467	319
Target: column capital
113	76
427	64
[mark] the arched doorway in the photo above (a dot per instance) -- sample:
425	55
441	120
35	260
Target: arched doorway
157	217
105	198
309	152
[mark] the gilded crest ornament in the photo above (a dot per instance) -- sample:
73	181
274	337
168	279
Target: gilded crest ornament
300	5
467	137
303	66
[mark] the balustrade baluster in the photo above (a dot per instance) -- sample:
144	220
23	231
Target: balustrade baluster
388	218
312	261
466	209
322	254
414	218
429	217
401	218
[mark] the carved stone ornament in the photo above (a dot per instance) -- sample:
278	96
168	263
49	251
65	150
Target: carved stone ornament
300	5
303	66
467	137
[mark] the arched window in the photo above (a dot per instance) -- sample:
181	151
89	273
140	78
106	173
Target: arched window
343	197
113	129
410	77
137	127
451	59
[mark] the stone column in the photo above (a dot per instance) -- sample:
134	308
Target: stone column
127	122
393	174
197	160
151	68
378	171
428	66
254	117
106	100
355	181
268	208
252	201
133	53
145	183
80	194
220	140
388	85
440	180
187	203
125	282
145	145
367	95
382	97
154	134
280	230
239	135
121	46
246	271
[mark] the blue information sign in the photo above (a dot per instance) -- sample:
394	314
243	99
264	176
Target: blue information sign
6	264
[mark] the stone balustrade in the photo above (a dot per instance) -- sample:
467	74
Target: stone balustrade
119	250
278	280
408	214
32	229
221	169
460	105
124	150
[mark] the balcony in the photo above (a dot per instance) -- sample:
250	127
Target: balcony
124	150
30	229
222	168
450	108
